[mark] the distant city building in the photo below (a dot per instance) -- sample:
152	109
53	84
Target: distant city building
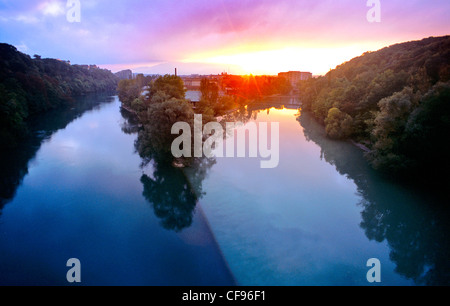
192	82
295	76
125	74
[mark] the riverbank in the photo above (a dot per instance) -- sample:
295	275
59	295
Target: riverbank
360	146
122	106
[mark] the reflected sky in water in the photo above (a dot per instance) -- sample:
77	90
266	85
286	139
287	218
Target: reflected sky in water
308	222
83	198
78	188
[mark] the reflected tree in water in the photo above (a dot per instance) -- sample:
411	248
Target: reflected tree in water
175	185
173	192
14	162
411	221
130	125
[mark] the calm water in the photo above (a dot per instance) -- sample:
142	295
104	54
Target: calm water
81	196
77	189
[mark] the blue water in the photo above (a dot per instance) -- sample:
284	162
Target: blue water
320	215
82	198
77	189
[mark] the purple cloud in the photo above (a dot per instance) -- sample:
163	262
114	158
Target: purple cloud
138	31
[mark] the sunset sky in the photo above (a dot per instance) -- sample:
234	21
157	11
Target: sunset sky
213	36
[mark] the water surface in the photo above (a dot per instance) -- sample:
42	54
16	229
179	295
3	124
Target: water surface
77	193
320	215
77	188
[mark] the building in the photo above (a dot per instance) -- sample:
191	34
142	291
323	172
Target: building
194	96
295	76
124	74
192	82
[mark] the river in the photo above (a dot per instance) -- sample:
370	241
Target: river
78	189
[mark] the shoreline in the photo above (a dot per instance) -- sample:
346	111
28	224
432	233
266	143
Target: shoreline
360	146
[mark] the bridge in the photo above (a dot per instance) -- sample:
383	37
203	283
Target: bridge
286	101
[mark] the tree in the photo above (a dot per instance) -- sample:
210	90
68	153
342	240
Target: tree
171	85
281	86
210	91
382	92
426	131
128	91
155	138
34	85
338	124
389	127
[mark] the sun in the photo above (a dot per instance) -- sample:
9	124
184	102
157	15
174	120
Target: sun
318	60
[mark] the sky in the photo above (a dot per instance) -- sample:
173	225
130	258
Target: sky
214	36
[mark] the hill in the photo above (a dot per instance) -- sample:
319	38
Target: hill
34	85
395	101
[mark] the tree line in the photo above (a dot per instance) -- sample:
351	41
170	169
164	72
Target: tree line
155	104
237	91
159	102
395	101
29	86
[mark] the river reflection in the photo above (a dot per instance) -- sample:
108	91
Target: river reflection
301	223
14	162
320	215
172	194
414	222
172	188
77	189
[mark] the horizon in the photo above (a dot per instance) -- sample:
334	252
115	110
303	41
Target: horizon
204	37
177	65
241	143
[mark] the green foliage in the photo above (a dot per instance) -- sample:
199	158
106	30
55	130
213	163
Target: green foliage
386	99
30	86
224	105
128	91
238	91
172	195
157	111
426	132
171	85
211	104
256	87
338	124
155	138
388	130
210	91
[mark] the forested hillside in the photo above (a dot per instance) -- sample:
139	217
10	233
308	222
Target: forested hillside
33	85
395	101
